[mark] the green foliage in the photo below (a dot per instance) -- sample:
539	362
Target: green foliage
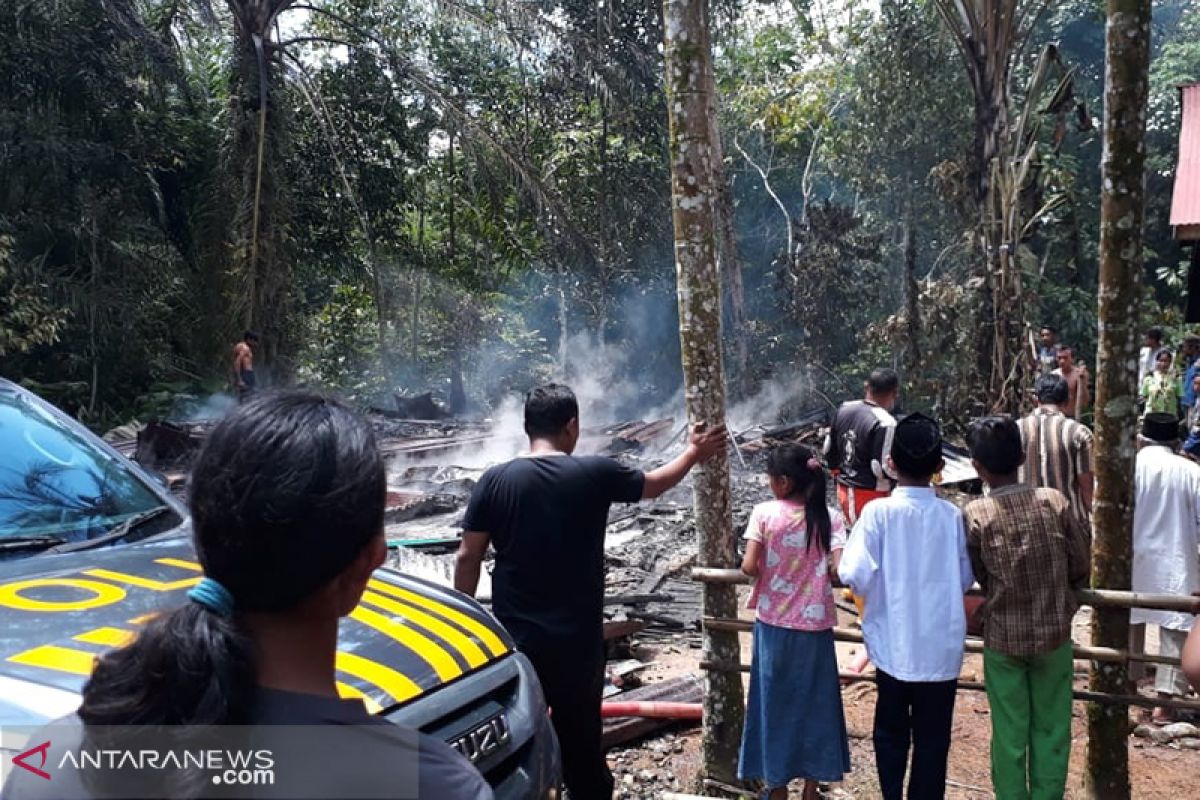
444	184
342	351
27	319
98	147
836	267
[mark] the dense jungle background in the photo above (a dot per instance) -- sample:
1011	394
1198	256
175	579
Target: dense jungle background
465	196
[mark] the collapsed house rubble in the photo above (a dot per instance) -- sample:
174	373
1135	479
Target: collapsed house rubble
652	607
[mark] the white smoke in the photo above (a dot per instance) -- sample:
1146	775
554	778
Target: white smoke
208	409
779	398
597	372
506	438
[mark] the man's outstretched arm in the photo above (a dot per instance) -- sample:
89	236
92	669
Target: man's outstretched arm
702	446
469	561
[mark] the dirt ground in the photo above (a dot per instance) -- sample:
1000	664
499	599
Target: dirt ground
670	761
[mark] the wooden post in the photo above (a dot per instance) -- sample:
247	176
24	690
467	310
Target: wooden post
1122	212
690	110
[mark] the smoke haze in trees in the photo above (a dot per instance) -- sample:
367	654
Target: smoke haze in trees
190	410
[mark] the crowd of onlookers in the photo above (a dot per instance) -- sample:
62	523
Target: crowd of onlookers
1167	380
910	557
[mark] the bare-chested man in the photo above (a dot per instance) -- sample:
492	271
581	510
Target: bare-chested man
1078	396
243	364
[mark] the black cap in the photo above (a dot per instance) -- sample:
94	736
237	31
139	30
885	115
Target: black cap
917	436
917	446
1160	427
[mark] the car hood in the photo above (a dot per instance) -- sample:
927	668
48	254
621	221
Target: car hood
407	638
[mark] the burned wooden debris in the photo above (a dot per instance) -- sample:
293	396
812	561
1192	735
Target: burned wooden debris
636	436
161	445
418	407
405	506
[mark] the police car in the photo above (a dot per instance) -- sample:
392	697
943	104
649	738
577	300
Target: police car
91	546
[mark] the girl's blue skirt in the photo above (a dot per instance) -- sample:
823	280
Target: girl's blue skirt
794	723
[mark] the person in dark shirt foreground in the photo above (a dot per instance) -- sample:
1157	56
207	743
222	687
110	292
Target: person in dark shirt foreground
287	499
545	513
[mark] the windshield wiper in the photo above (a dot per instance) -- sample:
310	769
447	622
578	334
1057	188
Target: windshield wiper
16	544
119	532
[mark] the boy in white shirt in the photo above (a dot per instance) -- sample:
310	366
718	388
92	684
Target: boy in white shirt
907	557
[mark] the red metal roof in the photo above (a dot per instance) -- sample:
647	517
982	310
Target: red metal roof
1185	205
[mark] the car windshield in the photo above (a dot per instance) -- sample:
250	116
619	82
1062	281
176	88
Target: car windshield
55	483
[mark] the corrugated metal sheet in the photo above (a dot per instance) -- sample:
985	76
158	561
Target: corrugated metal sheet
1185	205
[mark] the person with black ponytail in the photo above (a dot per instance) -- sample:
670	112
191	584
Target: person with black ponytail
795	728
287	499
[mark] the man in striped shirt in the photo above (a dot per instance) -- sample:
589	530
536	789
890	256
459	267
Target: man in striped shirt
1058	450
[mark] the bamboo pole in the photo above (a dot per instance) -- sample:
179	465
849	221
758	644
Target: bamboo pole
1082	695
1108	598
1096	598
840	634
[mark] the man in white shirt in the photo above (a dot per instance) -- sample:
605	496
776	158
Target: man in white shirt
907	557
1166	545
1150	347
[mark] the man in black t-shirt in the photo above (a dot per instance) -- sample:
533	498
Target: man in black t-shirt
545	514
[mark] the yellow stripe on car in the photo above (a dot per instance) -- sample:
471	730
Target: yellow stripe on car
63	659
348	692
400	687
140	582
444	630
181	563
444	664
481	631
107	637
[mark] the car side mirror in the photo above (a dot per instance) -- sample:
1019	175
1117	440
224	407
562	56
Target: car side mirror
160	478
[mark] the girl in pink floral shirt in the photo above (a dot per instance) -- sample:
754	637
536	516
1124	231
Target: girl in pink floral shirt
794	728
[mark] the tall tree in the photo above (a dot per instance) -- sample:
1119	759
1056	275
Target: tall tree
1122	213
694	198
990	34
258	147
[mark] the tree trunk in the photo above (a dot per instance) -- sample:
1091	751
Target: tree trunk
727	252
731	267
458	391
562	323
690	110
258	149
451	231
988	36
417	275
991	116
911	293
1122	213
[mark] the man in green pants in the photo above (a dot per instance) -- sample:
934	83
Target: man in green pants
1028	552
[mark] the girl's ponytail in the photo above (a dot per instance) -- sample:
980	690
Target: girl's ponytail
189	666
188	669
816	511
286	492
799	464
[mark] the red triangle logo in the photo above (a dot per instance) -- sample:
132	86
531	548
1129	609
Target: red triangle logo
41	749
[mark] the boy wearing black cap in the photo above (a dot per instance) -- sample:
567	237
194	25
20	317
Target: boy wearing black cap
907	558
